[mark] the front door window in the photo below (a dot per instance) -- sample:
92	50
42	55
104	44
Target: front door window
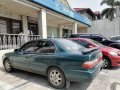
29	47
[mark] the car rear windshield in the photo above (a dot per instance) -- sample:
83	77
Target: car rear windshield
96	42
70	45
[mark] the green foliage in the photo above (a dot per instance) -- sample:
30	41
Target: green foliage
110	12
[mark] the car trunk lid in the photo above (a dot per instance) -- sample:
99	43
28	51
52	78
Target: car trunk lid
95	56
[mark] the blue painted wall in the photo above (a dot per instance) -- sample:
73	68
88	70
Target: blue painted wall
60	8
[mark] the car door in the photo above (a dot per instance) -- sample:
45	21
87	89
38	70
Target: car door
44	55
21	59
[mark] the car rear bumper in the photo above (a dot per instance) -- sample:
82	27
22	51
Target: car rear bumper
83	75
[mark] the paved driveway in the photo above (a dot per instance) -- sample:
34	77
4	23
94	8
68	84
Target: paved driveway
21	80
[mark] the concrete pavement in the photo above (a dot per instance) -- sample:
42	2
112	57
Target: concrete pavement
21	80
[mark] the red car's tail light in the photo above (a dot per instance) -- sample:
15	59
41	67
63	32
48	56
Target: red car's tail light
100	58
90	64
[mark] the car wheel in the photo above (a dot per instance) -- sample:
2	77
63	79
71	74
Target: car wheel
56	78
107	63
7	65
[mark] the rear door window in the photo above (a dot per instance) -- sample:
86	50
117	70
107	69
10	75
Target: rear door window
70	45
45	47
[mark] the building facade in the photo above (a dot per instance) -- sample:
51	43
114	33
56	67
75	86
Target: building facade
89	13
106	27
38	19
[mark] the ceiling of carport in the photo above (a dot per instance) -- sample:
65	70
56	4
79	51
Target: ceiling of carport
13	6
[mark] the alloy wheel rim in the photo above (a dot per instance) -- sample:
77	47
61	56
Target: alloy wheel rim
55	77
105	63
7	65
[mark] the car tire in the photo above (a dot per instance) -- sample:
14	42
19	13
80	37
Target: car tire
56	78
7	65
107	63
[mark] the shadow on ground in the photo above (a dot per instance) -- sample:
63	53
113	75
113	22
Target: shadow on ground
41	80
114	68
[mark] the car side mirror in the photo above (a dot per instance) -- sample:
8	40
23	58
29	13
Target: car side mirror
16	50
103	39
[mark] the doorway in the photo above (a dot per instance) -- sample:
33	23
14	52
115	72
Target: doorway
33	29
66	33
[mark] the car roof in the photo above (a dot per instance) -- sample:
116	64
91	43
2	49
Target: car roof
86	34
51	39
85	39
78	38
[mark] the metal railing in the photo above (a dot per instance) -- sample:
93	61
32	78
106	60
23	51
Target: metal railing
12	41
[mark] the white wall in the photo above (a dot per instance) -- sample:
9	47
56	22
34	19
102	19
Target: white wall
106	27
52	31
82	30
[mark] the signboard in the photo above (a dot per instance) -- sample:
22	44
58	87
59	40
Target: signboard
60	8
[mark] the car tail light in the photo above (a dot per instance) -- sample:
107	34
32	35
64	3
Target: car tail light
100	58
90	64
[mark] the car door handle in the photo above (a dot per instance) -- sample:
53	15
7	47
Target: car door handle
26	57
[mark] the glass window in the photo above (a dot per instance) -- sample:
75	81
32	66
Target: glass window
10	26
29	47
45	47
70	46
96	42
83	43
16	27
99	39
52	48
33	29
52	32
3	26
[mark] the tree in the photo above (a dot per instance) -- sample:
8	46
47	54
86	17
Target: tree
110	12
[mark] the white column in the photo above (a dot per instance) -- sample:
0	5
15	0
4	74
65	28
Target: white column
60	30
25	27
42	23
25	24
74	29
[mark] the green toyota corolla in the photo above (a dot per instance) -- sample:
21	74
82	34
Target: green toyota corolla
60	60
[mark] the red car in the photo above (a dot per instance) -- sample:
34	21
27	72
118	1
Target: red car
111	56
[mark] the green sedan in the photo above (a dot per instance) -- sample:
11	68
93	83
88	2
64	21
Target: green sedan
60	60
